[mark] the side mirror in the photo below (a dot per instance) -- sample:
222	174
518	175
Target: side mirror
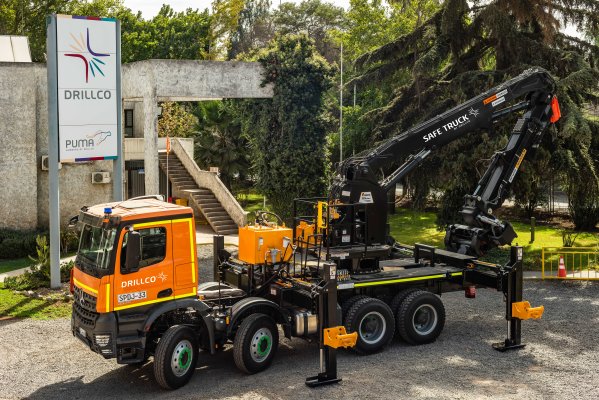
133	252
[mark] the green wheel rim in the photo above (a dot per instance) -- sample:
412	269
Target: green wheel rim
185	359
182	358
264	345
261	345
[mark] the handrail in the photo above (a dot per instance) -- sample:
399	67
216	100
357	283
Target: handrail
211	181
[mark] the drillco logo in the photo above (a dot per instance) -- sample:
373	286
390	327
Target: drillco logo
91	59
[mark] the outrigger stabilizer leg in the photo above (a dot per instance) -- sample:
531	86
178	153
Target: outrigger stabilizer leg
516	309
331	335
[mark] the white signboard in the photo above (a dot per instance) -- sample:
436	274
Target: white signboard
88	74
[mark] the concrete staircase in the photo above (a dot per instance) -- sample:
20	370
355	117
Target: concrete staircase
203	199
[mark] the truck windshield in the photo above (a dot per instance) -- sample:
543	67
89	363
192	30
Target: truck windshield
95	247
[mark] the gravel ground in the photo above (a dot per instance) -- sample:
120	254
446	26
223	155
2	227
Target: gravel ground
42	360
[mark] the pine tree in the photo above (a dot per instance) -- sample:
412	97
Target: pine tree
468	47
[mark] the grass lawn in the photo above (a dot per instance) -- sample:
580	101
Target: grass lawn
252	202
17	263
409	227
19	306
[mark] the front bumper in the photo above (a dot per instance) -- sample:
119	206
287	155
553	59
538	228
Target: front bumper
101	337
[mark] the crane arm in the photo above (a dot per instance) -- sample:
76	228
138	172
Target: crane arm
358	179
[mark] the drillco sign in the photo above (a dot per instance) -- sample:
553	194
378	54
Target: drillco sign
88	74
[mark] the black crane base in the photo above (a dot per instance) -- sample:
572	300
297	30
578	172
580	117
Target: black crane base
321	380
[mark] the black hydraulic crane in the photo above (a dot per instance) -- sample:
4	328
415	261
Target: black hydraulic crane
360	179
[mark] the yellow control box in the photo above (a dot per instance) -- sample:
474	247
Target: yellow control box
262	244
304	234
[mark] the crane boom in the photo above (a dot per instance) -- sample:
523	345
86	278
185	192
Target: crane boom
359	180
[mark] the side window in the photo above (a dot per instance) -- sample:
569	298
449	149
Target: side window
128	123
153	246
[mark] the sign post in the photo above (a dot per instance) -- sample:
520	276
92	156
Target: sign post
84	105
54	208
168	151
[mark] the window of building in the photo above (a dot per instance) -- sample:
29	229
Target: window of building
153	246
128	123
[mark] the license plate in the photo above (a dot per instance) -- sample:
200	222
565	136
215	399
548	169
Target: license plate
82	332
127	297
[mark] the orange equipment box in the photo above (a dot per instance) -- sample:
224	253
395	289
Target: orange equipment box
258	244
304	234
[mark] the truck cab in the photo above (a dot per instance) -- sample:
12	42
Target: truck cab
135	258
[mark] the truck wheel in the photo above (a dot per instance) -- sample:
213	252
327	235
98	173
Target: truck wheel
176	357
421	317
350	302
398	299
256	343
374	322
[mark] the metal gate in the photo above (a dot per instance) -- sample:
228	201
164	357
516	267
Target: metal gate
581	263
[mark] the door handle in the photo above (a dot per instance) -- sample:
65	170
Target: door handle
165	293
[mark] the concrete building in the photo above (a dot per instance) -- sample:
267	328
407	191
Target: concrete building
24	140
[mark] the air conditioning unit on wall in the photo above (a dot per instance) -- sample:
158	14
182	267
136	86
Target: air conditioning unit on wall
101	177
46	163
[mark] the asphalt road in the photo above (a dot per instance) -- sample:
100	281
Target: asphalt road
42	360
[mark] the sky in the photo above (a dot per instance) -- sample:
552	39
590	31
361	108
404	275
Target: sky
150	8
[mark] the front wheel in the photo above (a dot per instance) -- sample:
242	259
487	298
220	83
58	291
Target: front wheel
176	357
255	343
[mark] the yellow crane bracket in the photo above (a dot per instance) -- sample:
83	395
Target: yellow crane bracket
523	310
322	222
338	337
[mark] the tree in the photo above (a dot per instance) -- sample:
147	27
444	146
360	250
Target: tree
169	35
175	121
467	47
172	35
369	25
373	23
28	18
254	28
287	132
315	19
225	19
532	185
220	142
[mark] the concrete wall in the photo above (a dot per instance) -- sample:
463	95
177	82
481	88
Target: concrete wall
190	80
23	141
18	123
133	148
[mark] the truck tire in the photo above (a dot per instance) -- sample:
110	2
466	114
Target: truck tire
350	302
420	318
176	357
256	343
374	322
398	299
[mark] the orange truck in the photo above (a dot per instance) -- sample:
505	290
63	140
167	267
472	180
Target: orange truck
137	293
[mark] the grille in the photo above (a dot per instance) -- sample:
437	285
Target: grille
84	307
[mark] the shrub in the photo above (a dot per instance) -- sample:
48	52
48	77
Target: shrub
69	240
17	244
39	275
568	238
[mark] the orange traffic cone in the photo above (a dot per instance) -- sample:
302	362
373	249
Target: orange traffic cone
561	271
